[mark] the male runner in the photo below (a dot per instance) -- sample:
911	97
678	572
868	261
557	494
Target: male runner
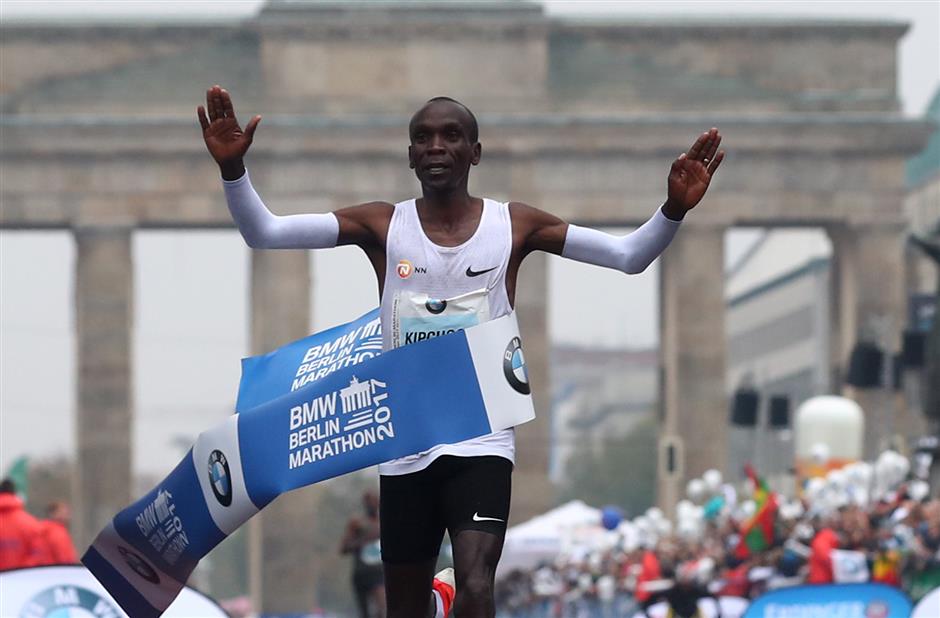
361	539
446	259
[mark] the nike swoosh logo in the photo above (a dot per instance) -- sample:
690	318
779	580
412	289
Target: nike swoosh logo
476	516
477	273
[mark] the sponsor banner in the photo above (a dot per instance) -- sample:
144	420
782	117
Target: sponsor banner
62	591
354	416
832	601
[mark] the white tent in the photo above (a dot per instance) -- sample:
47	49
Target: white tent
545	536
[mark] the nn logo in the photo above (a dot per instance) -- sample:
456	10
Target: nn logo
405	269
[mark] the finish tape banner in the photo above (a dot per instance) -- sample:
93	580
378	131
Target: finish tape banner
350	415
306	360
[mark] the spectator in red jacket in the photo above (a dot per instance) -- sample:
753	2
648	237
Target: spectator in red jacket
57	543
820	558
20	541
735	582
650	571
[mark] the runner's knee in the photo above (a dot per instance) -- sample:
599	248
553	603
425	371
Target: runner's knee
475	586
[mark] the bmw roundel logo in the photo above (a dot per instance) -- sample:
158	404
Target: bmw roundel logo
220	477
435	305
139	565
514	367
68	600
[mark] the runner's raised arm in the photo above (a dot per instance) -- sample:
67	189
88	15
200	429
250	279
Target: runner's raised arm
361	225
688	180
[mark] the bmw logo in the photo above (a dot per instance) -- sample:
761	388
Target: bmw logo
514	367
435	305
139	565
66	601
220	478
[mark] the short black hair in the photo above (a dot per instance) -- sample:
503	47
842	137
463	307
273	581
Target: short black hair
474	128
7	486
52	507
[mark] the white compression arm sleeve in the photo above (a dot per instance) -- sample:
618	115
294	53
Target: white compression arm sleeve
631	253
262	229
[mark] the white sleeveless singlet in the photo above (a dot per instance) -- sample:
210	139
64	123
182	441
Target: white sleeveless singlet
432	290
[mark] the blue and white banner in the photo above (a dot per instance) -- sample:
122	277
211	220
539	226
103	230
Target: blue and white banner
360	409
836	600
306	360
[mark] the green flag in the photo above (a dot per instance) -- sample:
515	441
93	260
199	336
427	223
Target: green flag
18	472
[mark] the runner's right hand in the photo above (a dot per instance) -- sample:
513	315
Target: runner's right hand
225	139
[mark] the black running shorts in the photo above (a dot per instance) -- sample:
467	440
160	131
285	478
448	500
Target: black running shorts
453	494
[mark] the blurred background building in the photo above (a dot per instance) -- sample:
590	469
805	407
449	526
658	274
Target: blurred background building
598	395
578	116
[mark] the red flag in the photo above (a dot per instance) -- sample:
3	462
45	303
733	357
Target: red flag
757	533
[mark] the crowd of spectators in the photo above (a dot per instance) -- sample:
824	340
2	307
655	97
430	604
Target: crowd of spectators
894	541
26	541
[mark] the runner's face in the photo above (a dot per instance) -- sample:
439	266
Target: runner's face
441	152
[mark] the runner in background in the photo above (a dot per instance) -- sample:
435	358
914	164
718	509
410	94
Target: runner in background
361	540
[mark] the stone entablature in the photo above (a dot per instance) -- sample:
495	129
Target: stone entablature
350	59
769	66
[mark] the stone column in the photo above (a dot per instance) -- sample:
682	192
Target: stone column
532	489
104	295
869	270
283	562
842	294
693	434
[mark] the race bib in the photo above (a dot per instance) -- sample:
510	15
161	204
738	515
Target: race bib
416	317
371	554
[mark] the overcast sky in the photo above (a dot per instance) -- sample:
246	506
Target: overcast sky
190	324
